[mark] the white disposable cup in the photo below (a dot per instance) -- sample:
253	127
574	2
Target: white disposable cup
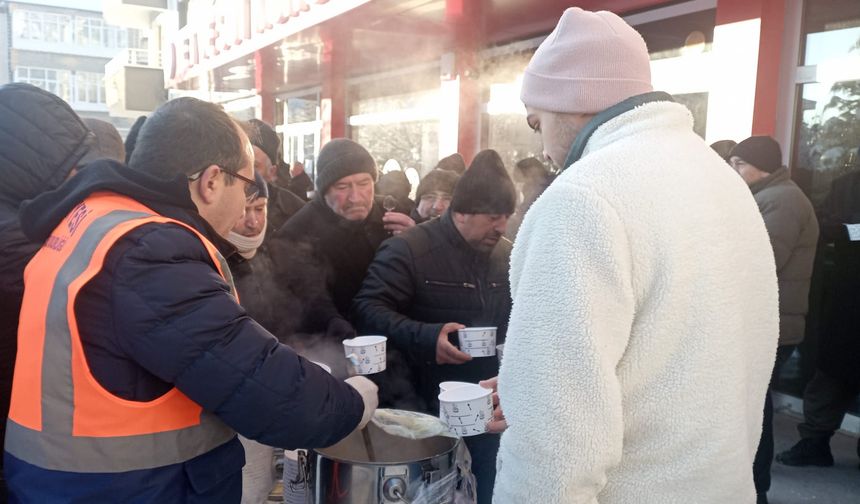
478	341
448	385
323	365
466	410
366	354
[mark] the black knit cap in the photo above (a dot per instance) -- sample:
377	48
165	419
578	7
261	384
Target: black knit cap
267	140
760	151
437	180
485	188
341	158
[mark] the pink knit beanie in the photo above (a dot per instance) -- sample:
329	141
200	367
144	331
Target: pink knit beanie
591	61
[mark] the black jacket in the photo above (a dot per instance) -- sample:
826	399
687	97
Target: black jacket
159	315
300	185
838	282
282	205
322	258
41	141
256	287
425	278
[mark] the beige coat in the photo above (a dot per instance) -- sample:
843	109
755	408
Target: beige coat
793	230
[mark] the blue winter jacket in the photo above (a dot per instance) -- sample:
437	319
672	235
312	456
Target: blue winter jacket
159	315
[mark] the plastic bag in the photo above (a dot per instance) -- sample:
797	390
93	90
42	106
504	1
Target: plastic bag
410	425
460	484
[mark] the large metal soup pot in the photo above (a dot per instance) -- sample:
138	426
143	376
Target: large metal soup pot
393	470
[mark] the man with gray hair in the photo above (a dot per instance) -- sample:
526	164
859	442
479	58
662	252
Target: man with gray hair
645	317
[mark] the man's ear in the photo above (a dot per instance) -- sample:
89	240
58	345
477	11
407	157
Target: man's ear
206	187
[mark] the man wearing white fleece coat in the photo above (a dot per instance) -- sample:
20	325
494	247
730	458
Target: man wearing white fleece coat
645	315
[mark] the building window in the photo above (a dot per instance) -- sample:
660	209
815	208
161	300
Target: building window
89	87
83	31
46	26
51	80
77	87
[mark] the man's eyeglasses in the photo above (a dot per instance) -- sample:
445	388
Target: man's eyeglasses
252	190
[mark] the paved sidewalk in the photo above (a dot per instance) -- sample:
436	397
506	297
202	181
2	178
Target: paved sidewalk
839	484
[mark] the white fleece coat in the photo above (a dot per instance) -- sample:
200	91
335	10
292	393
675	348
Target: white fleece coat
644	326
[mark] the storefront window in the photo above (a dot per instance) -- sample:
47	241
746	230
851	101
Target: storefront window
680	50
504	126
826	166
413	144
679	47
298	122
397	117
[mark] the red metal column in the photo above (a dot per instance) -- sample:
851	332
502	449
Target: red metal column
466	18
772	15
333	95
264	82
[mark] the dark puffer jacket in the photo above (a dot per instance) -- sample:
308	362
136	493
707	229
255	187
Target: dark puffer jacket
256	287
41	141
323	258
159	315
423	279
283	204
793	230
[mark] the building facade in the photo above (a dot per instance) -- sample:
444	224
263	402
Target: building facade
63	47
416	80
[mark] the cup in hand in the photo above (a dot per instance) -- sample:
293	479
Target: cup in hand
466	409
366	354
478	341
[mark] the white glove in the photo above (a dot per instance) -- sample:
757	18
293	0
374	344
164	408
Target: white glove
369	394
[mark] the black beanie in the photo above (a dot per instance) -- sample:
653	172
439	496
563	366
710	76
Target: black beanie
760	151
454	163
267	140
262	186
485	188
437	180
341	158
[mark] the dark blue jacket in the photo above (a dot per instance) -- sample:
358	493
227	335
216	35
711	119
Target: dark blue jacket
159	315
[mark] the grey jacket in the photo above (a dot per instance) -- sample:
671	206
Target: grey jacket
793	229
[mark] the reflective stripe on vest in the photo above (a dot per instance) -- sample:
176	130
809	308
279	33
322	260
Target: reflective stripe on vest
60	417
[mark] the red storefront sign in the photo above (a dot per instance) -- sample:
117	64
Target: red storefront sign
240	27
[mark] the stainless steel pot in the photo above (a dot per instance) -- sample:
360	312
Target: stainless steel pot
400	470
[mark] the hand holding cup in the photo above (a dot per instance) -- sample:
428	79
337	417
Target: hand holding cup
498	424
446	353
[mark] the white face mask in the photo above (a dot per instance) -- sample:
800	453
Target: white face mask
246	245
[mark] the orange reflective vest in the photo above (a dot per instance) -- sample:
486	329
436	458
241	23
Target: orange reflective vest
60	417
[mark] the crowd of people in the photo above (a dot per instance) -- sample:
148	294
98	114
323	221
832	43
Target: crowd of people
164	294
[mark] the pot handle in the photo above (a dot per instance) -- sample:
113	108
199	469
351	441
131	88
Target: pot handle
399	494
304	476
395	488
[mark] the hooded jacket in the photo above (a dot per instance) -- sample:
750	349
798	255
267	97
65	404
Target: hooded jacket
793	230
41	141
159	315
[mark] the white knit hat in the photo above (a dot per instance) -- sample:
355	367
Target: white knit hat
591	61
